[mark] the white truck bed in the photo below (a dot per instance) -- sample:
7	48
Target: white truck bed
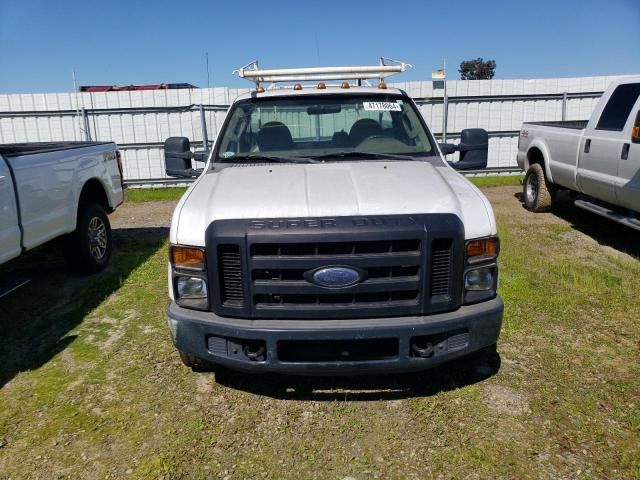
42	185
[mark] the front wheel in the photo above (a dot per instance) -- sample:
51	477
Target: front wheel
538	193
88	248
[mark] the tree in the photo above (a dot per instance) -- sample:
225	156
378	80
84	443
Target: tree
477	69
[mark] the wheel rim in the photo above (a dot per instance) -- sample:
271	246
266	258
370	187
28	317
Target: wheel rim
531	190
97	233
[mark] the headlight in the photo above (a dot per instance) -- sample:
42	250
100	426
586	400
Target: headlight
479	279
189	277
480	284
191	287
191	292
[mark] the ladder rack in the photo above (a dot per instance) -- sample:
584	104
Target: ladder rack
385	68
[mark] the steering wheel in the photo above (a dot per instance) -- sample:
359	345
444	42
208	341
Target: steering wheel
379	141
375	137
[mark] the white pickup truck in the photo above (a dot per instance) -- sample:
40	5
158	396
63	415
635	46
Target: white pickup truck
328	235
598	160
50	190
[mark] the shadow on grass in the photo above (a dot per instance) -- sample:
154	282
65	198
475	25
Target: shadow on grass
37	318
604	231
450	376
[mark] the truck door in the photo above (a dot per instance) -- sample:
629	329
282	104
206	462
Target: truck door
602	143
628	184
9	227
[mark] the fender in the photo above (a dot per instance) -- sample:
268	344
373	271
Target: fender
80	185
541	145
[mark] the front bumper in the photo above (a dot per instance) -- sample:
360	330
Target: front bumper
225	341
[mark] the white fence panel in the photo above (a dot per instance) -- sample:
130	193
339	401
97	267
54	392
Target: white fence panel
140	121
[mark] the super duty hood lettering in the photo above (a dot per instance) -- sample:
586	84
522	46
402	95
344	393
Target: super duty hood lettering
292	223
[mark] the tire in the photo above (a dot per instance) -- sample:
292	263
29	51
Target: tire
486	361
194	363
537	192
88	248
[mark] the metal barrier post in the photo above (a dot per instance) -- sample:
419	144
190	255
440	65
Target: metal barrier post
85	120
445	113
203	122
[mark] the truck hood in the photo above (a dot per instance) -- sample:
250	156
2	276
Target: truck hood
329	190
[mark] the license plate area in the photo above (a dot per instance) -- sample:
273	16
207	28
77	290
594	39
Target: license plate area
361	350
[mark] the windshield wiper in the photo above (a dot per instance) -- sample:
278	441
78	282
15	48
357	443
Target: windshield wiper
270	158
355	154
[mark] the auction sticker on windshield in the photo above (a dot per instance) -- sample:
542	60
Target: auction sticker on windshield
382	106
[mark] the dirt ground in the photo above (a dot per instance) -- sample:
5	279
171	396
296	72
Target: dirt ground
143	215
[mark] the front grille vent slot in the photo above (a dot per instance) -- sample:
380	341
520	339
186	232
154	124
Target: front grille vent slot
231	284
441	257
335	249
339	299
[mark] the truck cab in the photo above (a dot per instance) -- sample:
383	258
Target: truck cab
326	234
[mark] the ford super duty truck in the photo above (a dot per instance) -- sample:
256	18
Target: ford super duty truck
60	190
327	234
597	160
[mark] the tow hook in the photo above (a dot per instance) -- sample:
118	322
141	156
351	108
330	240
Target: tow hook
425	351
255	353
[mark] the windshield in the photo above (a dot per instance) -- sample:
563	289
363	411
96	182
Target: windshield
326	127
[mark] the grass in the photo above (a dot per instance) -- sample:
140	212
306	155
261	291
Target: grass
91	387
139	195
496	180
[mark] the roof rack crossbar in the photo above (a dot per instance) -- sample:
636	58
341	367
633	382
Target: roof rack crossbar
386	67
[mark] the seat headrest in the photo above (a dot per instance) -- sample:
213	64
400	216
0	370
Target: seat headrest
362	129
274	136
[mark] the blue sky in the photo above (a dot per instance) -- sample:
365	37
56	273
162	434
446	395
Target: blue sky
124	42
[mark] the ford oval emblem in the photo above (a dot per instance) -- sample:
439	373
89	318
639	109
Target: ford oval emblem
336	277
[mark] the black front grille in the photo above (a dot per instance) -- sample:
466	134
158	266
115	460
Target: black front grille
391	271
408	266
231	283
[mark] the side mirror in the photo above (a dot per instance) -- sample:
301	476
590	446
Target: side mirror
635	132
177	158
473	148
